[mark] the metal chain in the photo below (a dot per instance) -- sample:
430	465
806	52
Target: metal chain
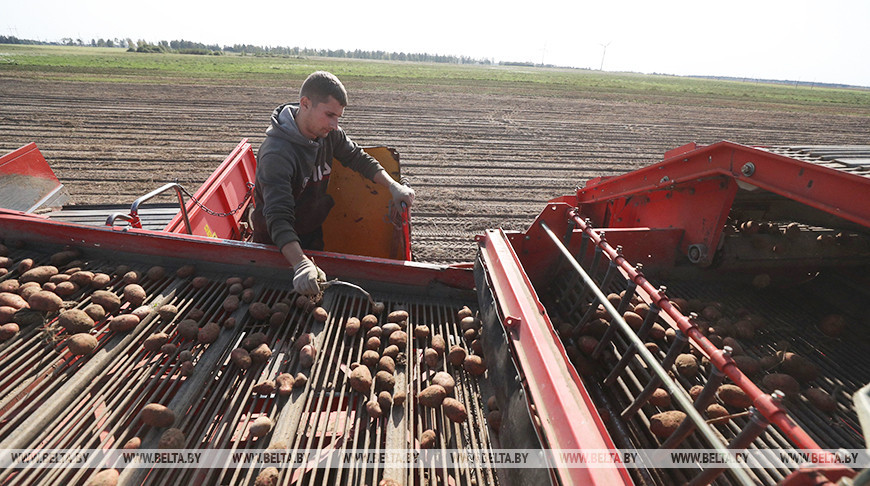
248	194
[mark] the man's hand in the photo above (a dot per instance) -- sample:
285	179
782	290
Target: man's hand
306	276
402	194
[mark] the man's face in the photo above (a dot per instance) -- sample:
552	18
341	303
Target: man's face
317	120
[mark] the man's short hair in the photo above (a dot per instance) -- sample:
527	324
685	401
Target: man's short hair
320	85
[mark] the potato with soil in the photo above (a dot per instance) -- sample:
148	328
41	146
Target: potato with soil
106	477
268	477
241	358
454	409
188	329
259	311
8	331
432	396
474	364
782	382
261	354
820	399
157	415
107	300
663	424
352	326
797	366
208	333
284	382
733	396
428	439
95	312
171	439
687	365
123	323
320	314
384	380
75	321
134	294
361	379
446	380
81	344
155	341
307	355
39	274
261	426
457	355
397	316
45	301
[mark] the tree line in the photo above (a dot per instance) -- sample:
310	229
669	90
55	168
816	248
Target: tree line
190	47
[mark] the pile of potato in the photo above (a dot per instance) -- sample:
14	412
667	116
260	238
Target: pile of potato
783	370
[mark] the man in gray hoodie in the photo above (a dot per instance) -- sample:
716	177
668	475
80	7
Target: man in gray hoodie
293	167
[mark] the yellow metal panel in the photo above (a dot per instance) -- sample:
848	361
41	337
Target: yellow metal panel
358	224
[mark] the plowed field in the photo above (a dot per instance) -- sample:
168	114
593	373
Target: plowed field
476	158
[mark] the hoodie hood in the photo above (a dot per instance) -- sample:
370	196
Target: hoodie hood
283	125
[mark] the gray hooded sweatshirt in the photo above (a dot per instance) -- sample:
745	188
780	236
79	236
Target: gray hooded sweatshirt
292	177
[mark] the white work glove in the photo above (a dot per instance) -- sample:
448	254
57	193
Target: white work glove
401	194
306	276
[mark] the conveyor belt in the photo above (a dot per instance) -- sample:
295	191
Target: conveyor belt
50	399
854	159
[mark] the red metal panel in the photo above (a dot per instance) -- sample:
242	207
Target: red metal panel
26	179
569	418
222	192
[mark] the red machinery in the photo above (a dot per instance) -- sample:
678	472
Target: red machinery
735	233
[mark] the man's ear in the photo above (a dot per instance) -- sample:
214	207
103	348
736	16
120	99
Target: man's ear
305	102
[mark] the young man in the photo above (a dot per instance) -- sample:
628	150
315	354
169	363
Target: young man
293	167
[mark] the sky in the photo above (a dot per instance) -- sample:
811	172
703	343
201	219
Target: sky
799	40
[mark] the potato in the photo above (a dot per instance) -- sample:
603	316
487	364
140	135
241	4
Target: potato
307	355
352	326
45	301
208	333
265	387
39	274
782	382
276	320
446	380
320	314
663	424
247	296
454	409
370	357
438	344
421	332
714	410
10	285
199	282
744	329
387	364
106	477
95	312
75	321
251	341
464	312
131	277
361	379
633	319
384	380
171	439
6	314
470	335
23	266
261	426
373	343
733	396
157	415
107	300
236	289
155	341
369	321
196	314
100	281
81	344
82	278
373	408
821	399
832	325
132	444
399	338
15	301
431	358
428	438
747	364
375	331
168	349
399	397
660	398
259	311
268	477
474	364
231	303
8	331
188	329
392	351
687	365
457	355
185	355
63	257
587	345
167	312
797	366
284	382
241	358
49	286
432	396
185	271
300	380
124	323
397	316
229	323
261	354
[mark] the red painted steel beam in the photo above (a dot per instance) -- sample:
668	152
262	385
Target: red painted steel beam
569	418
